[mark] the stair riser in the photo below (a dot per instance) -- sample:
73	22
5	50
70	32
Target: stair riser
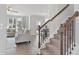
52	49
56	36
43	52
58	31
55	43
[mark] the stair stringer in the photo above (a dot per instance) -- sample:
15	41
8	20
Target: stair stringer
43	44
47	40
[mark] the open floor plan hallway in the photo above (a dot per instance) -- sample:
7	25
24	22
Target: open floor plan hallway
25	48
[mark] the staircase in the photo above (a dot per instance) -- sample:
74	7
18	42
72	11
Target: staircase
63	41
52	48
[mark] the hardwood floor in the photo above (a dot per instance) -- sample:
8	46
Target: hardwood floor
30	48
20	49
24	48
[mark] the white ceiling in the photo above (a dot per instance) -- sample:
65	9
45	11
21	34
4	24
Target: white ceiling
76	7
30	8
35	9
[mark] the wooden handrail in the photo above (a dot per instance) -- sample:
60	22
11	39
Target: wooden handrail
54	16
70	19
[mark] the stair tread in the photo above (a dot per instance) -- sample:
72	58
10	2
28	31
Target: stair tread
54	39
55	42
53	48
44	51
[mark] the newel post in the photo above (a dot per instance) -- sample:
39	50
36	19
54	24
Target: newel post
39	36
38	50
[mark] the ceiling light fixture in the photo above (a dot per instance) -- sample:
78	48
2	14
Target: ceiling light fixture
11	10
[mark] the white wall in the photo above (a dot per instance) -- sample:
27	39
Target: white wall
76	8
26	21
55	24
3	29
35	19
